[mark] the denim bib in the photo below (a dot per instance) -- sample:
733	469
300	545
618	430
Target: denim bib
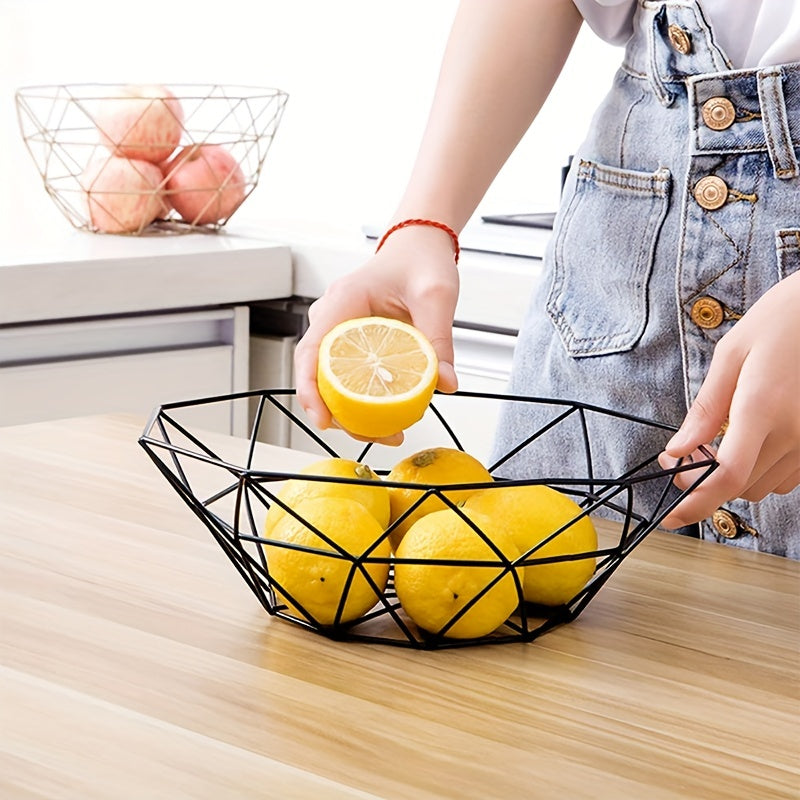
681	209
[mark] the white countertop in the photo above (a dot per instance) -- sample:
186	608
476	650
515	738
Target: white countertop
78	274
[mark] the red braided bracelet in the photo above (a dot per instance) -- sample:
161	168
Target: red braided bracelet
405	223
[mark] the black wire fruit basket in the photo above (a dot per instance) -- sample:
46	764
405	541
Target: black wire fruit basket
232	482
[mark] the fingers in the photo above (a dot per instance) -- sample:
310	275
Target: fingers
437	326
753	463
781	478
679	516
322	315
737	456
709	411
395	440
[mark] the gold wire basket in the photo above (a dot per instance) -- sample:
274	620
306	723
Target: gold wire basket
137	160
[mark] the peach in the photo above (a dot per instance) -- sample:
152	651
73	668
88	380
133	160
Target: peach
204	184
141	122
123	195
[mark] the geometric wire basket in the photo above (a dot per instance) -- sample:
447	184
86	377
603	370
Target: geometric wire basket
62	130
231	483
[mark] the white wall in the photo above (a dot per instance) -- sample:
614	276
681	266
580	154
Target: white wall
360	74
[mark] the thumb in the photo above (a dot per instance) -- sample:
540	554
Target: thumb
710	409
437	326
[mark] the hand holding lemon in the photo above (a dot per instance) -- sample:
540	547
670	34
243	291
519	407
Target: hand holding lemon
413	278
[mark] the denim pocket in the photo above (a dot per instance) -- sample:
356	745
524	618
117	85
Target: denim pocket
787	244
603	254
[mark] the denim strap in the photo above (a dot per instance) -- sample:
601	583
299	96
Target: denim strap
655	40
776	123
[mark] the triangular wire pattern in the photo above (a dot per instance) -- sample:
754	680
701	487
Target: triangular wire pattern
231	492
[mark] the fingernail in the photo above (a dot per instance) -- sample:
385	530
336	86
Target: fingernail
676	437
678	441
448	381
666	461
671	522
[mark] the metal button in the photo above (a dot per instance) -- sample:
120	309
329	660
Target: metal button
711	192
707	313
718	113
725	524
680	39
730	525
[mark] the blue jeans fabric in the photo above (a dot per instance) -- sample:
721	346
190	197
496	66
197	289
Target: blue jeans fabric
633	250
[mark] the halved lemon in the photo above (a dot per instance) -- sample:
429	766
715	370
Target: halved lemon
376	375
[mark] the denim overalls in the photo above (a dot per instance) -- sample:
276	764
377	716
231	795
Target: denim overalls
681	209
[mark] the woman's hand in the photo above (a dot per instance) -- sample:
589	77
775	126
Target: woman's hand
753	384
413	278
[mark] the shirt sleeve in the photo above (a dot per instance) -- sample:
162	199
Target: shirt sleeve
611	20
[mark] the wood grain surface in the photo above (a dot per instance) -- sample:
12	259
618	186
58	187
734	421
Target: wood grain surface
135	663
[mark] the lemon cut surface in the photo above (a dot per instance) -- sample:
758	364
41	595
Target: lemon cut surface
376	375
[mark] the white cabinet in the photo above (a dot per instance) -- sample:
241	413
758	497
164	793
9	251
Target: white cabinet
98	323
272	367
128	364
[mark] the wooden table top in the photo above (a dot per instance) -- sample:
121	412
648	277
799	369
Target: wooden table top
136	663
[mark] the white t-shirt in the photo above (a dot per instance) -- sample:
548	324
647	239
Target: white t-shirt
753	33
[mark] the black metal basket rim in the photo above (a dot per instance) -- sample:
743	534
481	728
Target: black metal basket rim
577	404
257	475
262	476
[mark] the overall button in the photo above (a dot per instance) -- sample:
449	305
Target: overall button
725	524
679	39
707	313
730	525
718	113
711	192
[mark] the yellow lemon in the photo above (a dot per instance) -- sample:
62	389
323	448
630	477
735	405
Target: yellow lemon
530	513
436	466
318	579
432	594
374	498
376	375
